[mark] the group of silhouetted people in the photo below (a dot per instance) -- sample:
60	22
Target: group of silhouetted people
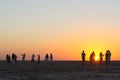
13	58
49	58
92	57
33	58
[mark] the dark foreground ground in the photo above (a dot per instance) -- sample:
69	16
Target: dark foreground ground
59	70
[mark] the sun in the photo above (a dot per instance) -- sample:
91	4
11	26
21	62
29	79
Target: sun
96	58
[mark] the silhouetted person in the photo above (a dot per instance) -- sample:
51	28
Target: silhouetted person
38	58
51	57
23	57
83	57
92	58
101	58
13	58
8	58
47	57
109	56
33	58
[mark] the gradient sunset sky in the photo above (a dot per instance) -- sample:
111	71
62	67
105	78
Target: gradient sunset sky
61	27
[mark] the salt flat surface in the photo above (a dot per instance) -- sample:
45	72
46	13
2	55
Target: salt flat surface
59	70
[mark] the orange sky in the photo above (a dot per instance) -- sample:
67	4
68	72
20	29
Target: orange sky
58	27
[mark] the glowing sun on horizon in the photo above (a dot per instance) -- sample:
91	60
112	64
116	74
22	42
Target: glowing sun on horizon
96	58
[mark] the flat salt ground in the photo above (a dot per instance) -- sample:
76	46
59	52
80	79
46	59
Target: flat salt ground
59	70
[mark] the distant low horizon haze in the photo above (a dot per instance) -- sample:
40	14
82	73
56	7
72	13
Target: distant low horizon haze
62	27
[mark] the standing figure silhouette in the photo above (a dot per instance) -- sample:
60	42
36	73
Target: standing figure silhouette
83	57
101	58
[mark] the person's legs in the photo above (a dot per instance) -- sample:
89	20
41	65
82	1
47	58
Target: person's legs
109	60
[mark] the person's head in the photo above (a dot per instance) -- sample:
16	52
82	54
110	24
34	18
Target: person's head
83	51
47	55
93	52
108	50
33	55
